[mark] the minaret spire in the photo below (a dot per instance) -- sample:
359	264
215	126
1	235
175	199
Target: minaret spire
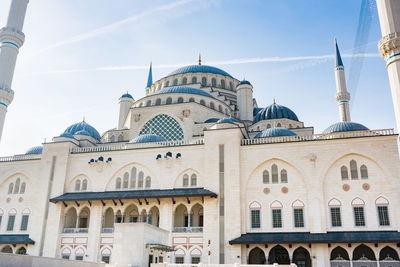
11	39
342	96
199	59
149	78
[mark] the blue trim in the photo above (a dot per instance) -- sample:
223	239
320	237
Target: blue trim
1	103
392	56
11	44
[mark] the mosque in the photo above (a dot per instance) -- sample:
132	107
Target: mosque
196	172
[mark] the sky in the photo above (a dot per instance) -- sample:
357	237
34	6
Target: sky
81	56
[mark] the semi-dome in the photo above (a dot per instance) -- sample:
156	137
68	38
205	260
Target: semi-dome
127	95
36	150
75	128
275	111
228	120
244	82
182	90
276	131
199	68
345	126
147	138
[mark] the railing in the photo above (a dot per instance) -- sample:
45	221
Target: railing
107	230
20	158
105	148
75	230
316	137
192	229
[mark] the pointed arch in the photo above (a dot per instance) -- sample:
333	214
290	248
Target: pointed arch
284	177
275	176
265	177
357	202
278	254
257	256
344	173
388	254
301	257
10	188
78	185
23	188
195	252
12	212
84	185
17	183
364	172
80	251
353	169
276	204
362	252
334	202
26	211
255	205
382	201
298	204
106	252
339	253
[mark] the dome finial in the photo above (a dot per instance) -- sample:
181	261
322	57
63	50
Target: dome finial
83	119
199	59
274	101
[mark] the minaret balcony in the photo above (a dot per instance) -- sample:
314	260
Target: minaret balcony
12	35
342	96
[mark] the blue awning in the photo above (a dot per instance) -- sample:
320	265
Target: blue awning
329	237
16	239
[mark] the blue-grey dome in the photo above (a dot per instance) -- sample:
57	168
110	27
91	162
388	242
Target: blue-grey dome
127	95
345	126
211	120
67	135
36	150
182	90
275	111
199	68
147	138
276	131
244	82
228	120
75	128
256	110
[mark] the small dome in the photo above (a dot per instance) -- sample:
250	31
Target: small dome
345	126
182	90
36	150
67	135
275	111
127	95
228	120
276	131
211	120
75	128
244	82
147	138
199	68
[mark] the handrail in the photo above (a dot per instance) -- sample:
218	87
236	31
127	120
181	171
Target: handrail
20	158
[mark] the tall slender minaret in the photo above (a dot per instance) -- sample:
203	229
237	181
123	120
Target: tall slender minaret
389	47
342	96
11	39
149	79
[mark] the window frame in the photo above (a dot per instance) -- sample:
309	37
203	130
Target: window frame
363	213
180	261
340	215
24	224
8	228
388	215
302	216
272	218
253	226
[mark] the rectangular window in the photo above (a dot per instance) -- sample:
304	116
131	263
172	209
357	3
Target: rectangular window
79	258
359	218
65	257
179	260
161	259
105	259
255	218
11	221
195	260
383	214
276	218
336	219
24	222
298	218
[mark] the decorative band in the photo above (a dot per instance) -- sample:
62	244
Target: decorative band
392	56
1	103
11	43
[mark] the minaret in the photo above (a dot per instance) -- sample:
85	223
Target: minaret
342	96
389	47
125	103
149	79
11	39
244	92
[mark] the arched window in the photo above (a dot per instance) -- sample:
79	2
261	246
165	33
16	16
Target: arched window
78	185
21	251
279	125
118	183
220	108
364	172
112	139
204	81
166	83
193	180
231	86
268	126
184	81
10	188
126	180
133	177
344	173
148	182
226	111
255	215
185	182
176	82
180	100
23	187
353	170
84	185
194	80
202	102
212	106
191	99
169	101
213	82
140	180
148	103
265	177
223	84
284	176
120	138
158	102
274	170
290	126
16	188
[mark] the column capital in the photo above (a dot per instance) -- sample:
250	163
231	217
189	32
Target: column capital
389	45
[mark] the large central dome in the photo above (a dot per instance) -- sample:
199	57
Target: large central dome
199	68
